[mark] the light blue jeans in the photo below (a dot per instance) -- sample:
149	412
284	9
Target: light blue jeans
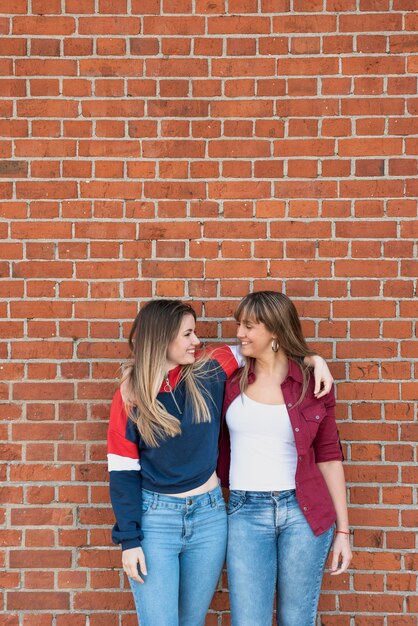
271	547
184	545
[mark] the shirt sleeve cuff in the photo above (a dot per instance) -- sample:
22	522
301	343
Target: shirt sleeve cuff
130	543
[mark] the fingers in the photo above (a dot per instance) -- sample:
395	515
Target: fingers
323	384
142	564
325	389
131	570
340	561
328	385
130	561
323	380
344	565
133	573
342	568
322	387
335	561
135	576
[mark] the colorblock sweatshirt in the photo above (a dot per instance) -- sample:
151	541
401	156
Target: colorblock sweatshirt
179	463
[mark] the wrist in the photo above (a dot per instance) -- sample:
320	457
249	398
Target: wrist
311	359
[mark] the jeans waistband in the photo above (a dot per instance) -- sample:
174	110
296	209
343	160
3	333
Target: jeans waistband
210	498
265	494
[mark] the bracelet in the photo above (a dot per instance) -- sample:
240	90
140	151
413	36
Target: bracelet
343	532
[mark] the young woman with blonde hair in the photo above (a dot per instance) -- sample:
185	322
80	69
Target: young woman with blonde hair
282	458
162	453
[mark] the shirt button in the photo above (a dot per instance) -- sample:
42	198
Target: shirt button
300	458
289	404
296	430
317	417
305	508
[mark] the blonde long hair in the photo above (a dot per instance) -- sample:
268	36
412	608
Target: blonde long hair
155	327
278	313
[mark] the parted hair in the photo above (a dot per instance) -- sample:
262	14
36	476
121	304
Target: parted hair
278	313
155	327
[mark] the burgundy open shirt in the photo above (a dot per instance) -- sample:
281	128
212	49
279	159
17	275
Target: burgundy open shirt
316	438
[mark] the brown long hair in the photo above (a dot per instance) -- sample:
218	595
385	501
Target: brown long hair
278	313
155	327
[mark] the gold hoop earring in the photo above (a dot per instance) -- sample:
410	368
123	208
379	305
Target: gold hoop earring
275	345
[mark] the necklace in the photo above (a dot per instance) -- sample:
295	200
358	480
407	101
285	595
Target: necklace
170	389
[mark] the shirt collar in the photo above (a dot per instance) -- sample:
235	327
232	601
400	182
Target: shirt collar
294	371
173	378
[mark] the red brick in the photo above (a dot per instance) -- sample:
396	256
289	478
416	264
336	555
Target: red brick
40	559
38	600
373	65
367	391
241	67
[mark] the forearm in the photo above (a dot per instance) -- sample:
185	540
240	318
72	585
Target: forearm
333	473
125	495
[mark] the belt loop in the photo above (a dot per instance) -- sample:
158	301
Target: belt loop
212	499
155	501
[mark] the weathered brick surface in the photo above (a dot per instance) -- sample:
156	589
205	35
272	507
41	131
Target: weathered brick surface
200	149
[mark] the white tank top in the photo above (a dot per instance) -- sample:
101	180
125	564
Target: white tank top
263	450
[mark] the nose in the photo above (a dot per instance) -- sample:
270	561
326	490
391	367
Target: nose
240	331
195	340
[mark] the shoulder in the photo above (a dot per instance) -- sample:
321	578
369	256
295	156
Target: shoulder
122	434
118	414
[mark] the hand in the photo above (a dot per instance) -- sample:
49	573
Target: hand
126	391
323	377
341	554
130	560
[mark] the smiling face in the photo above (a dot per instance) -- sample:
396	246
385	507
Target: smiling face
254	337
181	351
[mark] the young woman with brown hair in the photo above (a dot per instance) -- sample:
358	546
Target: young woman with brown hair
285	471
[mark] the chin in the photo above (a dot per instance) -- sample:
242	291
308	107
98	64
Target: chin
248	352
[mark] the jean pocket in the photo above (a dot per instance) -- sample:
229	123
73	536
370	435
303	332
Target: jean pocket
235	502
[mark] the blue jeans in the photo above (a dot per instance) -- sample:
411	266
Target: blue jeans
271	547
184	545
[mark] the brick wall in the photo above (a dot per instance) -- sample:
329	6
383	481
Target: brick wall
200	149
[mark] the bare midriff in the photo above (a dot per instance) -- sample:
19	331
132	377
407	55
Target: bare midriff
210	484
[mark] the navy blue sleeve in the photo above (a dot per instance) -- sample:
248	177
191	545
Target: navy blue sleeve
125	476
125	494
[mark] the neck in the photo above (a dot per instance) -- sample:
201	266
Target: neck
272	364
171	366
